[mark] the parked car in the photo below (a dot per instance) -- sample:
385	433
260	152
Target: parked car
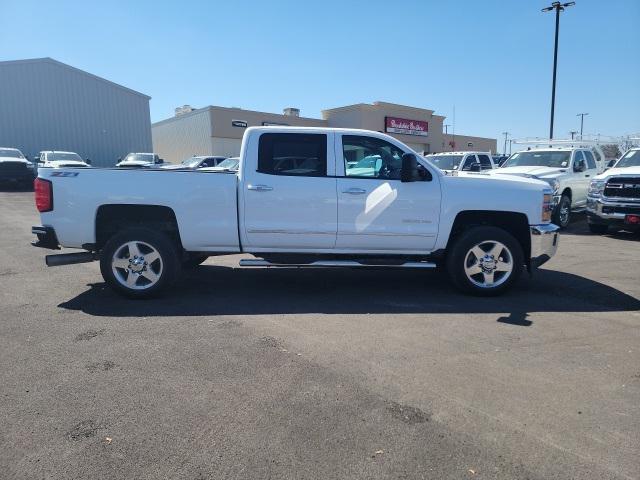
58	159
195	162
227	165
614	196
140	160
14	167
294	202
462	161
567	170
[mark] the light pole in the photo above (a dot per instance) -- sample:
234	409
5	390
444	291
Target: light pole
446	132
558	7
581	115
504	150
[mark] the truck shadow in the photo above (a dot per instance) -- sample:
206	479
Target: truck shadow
218	290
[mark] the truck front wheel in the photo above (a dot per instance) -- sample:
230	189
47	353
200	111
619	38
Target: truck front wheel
562	212
485	261
139	262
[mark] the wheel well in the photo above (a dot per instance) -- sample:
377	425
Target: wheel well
111	219
567	192
515	223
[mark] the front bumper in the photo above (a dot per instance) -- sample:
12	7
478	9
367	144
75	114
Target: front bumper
544	243
613	213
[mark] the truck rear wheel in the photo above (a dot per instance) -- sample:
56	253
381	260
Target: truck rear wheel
485	261
139	262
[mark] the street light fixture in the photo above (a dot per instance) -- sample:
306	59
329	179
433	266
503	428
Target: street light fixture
581	115
504	150
572	133
558	7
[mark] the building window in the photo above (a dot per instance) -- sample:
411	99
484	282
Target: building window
298	154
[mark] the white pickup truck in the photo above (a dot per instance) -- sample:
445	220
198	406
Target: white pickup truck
295	202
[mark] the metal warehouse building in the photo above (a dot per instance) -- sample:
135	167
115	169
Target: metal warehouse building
48	105
218	130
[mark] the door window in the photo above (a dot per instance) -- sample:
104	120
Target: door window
470	160
591	162
485	162
297	154
369	157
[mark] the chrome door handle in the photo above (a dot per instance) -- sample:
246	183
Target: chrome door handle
355	191
587	175
260	188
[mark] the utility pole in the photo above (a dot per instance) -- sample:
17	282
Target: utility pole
558	7
581	115
504	150
573	132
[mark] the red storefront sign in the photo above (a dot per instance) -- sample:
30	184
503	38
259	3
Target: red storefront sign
405	126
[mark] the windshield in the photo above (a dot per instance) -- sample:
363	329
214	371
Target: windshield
629	159
445	162
139	157
57	156
553	159
10	153
229	163
192	162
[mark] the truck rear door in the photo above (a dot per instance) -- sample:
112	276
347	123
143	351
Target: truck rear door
288	192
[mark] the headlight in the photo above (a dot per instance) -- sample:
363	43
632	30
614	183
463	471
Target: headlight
596	187
554	184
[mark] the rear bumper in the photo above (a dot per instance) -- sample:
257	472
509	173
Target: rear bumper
47	237
544	243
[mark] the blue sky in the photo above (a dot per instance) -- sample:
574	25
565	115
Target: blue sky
491	59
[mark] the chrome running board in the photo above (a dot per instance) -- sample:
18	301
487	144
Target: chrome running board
249	262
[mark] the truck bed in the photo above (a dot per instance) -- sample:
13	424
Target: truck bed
204	202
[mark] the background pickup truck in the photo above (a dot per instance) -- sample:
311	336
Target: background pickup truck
297	200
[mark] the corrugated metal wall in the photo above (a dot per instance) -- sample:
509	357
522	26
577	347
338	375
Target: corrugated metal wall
181	137
46	105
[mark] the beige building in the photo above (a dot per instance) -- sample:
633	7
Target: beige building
218	130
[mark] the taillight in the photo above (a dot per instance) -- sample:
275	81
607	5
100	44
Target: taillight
44	194
547	207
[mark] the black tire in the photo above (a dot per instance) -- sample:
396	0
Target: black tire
484	237
598	228
562	213
165	271
193	260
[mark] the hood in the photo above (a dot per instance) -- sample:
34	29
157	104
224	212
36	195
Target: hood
66	163
136	163
171	166
612	172
538	172
14	159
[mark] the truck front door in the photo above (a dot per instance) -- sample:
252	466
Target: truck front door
378	213
288	199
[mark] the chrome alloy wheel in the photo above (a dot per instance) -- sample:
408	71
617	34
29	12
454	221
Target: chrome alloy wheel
137	265
488	264
565	209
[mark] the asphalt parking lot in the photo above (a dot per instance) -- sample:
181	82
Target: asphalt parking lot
319	374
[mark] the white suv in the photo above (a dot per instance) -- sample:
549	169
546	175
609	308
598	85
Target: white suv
568	171
462	161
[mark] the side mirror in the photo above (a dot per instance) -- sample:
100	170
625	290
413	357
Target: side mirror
412	171
88	161
579	166
160	160
119	160
409	171
611	163
475	167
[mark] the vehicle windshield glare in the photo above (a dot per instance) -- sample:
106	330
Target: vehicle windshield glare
10	153
629	159
57	156
445	162
229	163
139	157
554	159
192	162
